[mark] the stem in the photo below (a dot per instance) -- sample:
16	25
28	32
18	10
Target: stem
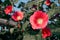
41	34
36	38
49	38
18	24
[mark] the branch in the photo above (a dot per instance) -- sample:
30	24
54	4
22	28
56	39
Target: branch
6	22
29	4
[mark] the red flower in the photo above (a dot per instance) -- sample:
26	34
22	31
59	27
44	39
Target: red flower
8	9
47	2
46	32
39	20
18	15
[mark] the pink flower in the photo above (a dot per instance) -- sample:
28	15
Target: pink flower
46	32
8	9
39	20
18	15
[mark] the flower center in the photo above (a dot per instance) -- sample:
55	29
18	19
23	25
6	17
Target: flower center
18	18
40	21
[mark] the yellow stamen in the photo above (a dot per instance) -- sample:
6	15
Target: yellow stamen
40	21
18	17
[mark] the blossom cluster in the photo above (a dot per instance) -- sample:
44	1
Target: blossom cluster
38	20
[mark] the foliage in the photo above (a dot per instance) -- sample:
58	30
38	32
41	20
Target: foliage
26	32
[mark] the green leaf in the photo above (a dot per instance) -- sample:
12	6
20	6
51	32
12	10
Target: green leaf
25	25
